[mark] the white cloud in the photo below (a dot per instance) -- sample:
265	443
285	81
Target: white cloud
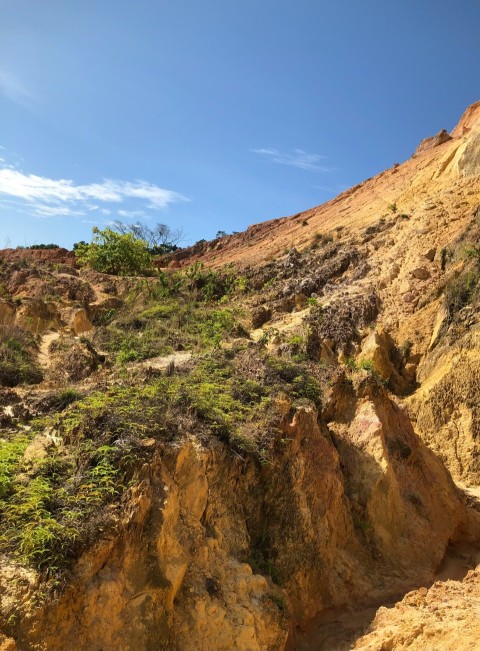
298	158
56	211
131	214
49	197
13	88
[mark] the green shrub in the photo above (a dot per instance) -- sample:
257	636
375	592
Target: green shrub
65	397
366	365
461	291
17	361
473	252
296	378
115	253
10	453
212	284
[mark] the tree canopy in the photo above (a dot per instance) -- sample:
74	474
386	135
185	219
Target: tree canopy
115	253
160	238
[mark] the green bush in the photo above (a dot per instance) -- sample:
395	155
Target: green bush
64	398
115	253
17	364
461	291
214	285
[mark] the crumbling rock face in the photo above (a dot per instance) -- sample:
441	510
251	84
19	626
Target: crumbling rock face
339	323
168	580
380	350
392	480
38	316
447	407
320	272
350	512
469	162
469	119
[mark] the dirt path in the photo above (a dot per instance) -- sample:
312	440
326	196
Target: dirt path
43	354
176	360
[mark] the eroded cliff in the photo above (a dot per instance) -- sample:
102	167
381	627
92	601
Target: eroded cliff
214	458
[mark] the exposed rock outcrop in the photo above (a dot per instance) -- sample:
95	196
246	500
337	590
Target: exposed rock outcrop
358	520
434	141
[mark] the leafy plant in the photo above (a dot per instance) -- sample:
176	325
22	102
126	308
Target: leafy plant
473	252
17	362
160	238
460	291
65	397
120	254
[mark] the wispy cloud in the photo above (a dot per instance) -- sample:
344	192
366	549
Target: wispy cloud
298	158
45	197
131	214
56	211
13	88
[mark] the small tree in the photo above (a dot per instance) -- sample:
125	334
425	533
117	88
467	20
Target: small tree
115	253
160	238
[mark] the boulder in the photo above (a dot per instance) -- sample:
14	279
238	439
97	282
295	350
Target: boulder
260	316
376	348
421	273
430	254
380	349
81	322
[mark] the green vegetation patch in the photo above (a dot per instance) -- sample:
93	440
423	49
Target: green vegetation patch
167	327
17	361
46	504
57	501
111	252
461	291
189	310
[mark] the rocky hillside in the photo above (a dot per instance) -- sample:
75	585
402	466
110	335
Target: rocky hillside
259	445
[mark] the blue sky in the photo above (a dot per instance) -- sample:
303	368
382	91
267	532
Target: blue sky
215	114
